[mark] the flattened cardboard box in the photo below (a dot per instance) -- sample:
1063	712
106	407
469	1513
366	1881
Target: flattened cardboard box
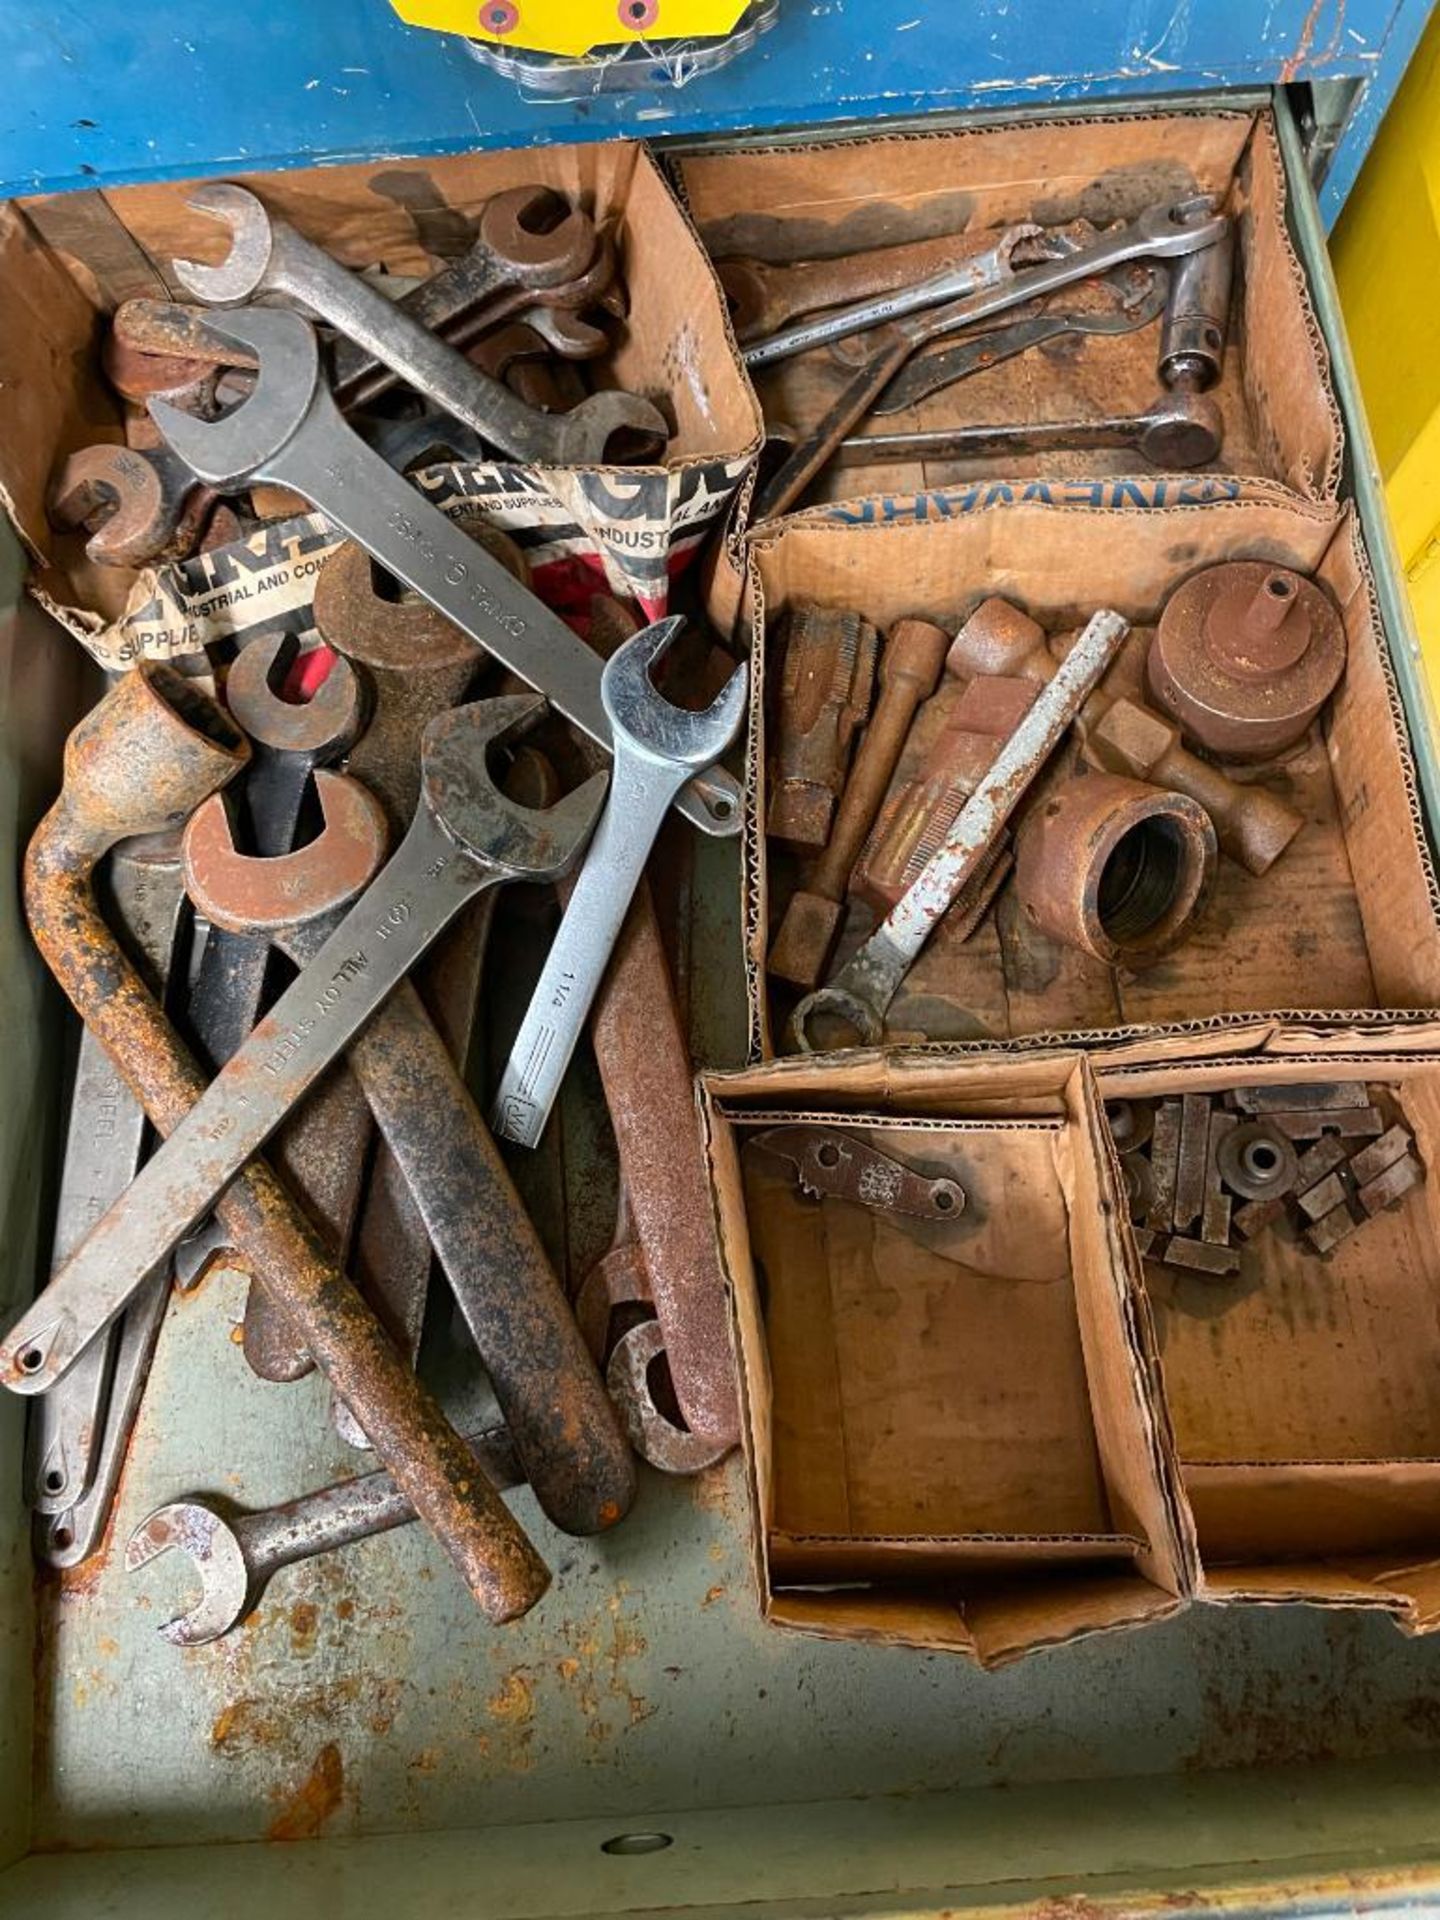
948	1424
826	199
66	262
1303	1395
1347	921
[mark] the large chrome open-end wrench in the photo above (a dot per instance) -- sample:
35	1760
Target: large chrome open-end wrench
862	990
657	747
102	1151
466	836
269	256
290	431
235	1555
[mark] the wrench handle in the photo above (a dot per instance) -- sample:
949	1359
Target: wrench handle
893	348
639	799
352	1510
415	541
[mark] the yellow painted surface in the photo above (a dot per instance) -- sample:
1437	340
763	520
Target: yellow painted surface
1387	260
573	26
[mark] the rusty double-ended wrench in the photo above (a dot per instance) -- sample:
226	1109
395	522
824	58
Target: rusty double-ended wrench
466	836
140	762
563	1425
290	431
269	256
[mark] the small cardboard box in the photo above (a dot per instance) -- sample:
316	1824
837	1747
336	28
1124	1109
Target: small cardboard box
1303	1394
66	262
948	1424
1347	919
828	198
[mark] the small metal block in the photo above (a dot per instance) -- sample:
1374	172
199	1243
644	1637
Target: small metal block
1145	1238
1330	1229
1317	1161
1130	1123
1257	1215
1325	1094
1323	1198
1164	1159
1199	1256
1193	1159
1350	1123
1215	1217
1387	1187
1381	1153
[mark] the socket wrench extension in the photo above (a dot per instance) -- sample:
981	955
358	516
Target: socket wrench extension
290	431
466	836
657	747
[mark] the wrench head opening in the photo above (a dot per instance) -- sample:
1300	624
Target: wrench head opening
524	843
1183	227
241	274
583	435
540	256
646	720
246	894
324	724
219	1560
227	451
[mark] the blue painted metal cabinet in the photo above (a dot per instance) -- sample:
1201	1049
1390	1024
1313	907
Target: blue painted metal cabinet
116	91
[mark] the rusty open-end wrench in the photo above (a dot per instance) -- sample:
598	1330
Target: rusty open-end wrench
510	251
234	1554
289	431
549	1392
139	505
466	836
763	296
140	762
269	256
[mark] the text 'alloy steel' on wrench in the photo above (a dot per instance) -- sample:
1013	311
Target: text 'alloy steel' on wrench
465	837
290	431
269	256
102	1152
657	747
861	992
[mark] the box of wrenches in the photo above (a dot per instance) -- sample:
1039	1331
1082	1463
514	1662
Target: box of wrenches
1107	309
1295	1311
533	342
950	1434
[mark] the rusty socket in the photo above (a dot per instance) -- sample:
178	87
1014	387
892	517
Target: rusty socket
1118	870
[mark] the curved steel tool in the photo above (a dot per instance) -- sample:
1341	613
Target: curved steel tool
289	431
269	256
861	992
931	373
657	747
235	1556
654	1436
564	1429
466	837
138	504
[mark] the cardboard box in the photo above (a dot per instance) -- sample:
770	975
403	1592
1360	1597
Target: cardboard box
65	262
949	1428
833	197
1346	922
1304	1393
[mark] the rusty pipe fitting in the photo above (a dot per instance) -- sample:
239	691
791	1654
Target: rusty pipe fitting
1245	656
1119	870
152	750
999	640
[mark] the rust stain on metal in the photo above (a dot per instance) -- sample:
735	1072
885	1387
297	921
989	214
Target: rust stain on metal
514	1699
315	1801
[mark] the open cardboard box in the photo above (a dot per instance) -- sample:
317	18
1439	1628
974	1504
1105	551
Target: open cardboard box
68	261
1348	918
829	198
948	1424
1304	1393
